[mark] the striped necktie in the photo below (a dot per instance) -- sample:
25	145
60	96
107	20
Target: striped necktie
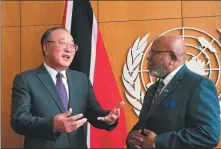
157	93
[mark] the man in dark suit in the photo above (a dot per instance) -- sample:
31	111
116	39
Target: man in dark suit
51	103
180	110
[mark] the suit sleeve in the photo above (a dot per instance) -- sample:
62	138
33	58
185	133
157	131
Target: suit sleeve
94	110
22	120
203	122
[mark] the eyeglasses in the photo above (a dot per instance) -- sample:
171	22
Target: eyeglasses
64	44
153	52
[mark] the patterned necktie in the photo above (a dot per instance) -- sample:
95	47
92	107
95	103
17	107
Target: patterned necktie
62	90
157	93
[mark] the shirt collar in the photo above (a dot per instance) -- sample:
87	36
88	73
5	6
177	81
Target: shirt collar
53	72
171	75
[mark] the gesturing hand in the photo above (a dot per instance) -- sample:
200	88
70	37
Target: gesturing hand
64	123
113	115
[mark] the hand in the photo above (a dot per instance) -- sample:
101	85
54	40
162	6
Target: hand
64	123
148	139
135	139
113	115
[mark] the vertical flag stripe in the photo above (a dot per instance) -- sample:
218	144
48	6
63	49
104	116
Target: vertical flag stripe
68	14
92	65
93	48
81	30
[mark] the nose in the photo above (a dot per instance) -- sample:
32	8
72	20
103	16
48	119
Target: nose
150	54
149	58
67	48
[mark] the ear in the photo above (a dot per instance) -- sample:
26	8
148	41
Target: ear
45	47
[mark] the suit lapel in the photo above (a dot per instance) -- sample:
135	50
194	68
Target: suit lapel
73	100
150	95
46	79
147	101
169	88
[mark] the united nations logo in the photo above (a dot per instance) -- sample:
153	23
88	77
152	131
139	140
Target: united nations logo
203	57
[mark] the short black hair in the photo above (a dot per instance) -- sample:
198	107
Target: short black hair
46	34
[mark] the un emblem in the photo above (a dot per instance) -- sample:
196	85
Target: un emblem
203	57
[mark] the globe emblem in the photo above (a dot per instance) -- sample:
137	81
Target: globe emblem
203	57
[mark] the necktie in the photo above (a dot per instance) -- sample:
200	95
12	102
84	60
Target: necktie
62	90
157	93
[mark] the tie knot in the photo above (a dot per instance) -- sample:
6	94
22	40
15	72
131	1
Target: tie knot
59	75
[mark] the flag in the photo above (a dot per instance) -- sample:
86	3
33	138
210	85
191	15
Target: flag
92	59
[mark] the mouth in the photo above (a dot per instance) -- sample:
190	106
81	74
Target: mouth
149	66
66	57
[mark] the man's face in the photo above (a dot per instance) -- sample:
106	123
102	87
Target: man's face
158	60
59	50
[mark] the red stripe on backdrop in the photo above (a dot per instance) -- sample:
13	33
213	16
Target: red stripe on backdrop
107	93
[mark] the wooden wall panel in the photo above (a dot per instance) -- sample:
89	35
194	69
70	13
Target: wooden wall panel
10	67
208	24
138	10
10	13
42	12
199	8
119	37
31	53
218	7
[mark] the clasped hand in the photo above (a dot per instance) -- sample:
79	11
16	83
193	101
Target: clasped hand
137	140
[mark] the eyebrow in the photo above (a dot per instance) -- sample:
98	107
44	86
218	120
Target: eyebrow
64	39
161	50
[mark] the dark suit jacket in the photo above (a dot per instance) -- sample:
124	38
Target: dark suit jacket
35	102
186	114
